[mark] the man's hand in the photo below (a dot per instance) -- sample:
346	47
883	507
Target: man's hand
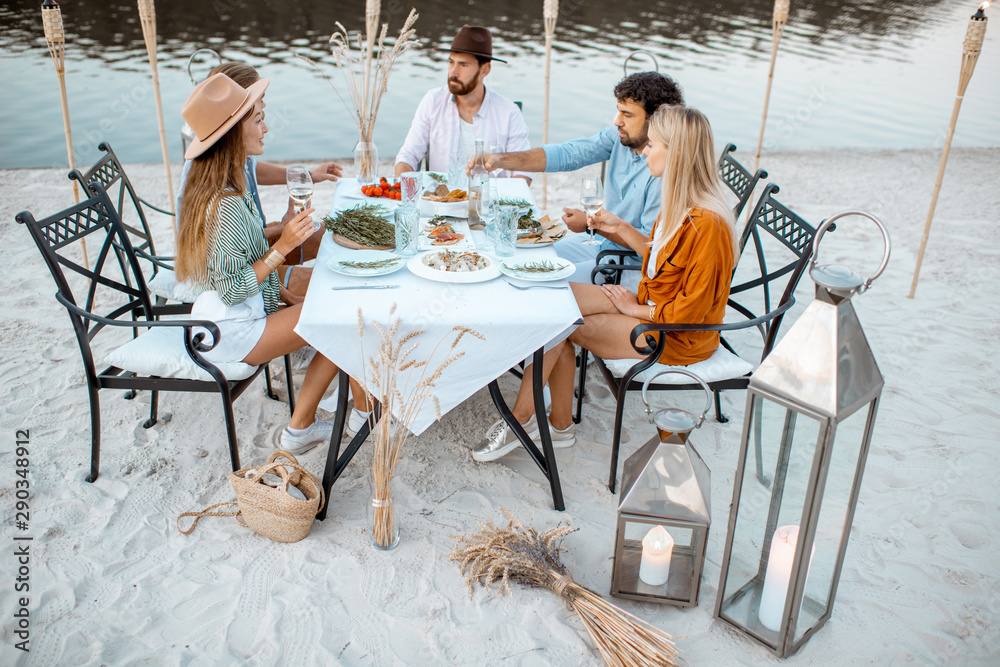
328	171
575	219
625	301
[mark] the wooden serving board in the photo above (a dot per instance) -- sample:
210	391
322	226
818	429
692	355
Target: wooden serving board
354	245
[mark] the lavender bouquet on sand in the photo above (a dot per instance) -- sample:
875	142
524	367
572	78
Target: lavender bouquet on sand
530	558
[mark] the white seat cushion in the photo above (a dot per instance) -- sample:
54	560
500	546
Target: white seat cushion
165	284
160	352
722	365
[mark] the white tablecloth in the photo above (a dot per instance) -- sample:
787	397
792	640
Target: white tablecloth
514	322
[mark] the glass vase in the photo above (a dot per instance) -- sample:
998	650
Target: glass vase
382	516
366	162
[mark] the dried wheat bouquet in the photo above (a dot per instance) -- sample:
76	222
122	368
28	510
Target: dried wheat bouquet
523	555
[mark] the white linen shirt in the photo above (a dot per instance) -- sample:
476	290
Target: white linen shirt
436	127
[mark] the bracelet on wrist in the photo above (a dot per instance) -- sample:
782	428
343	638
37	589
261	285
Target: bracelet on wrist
652	313
273	259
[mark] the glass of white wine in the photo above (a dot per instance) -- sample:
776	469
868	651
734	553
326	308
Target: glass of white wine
592	199
300	188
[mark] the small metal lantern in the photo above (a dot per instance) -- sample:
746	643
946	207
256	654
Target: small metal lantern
664	512
787	537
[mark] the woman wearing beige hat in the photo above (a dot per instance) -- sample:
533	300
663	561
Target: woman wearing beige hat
221	246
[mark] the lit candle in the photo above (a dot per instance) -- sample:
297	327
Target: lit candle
779	572
657	548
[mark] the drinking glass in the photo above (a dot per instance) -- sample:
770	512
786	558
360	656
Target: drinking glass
407	219
506	229
411	185
300	188
457	180
486	209
497	149
592	199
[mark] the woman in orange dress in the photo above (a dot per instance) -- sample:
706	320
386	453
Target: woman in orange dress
686	272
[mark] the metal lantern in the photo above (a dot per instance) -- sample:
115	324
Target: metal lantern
810	412
664	512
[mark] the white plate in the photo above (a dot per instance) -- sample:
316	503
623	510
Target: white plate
458	209
418	268
424	241
543	244
566	269
336	265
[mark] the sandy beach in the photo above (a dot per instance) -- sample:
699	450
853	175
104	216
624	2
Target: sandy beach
112	582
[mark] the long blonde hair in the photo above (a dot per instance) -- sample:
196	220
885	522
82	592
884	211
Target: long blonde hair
218	172
690	179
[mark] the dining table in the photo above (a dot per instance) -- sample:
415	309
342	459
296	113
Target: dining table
516	318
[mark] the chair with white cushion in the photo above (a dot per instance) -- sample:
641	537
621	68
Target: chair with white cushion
112	296
774	251
161	281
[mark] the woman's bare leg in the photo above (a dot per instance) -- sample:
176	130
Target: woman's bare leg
279	339
554	372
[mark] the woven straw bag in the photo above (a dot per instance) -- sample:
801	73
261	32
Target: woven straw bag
268	509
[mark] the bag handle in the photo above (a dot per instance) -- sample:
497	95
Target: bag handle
206	512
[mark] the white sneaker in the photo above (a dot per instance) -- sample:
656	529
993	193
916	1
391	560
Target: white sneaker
355	422
302	357
307	438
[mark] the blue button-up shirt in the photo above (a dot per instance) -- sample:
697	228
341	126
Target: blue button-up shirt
630	192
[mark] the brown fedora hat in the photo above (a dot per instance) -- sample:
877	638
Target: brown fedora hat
214	107
475	40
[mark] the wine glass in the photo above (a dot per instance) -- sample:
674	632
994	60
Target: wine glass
592	199
497	150
300	187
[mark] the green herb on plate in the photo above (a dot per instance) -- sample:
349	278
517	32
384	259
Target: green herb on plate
374	264
535	267
363	225
507	201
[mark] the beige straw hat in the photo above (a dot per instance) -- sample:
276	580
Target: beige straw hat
214	107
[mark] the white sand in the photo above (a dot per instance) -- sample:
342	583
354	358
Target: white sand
113	582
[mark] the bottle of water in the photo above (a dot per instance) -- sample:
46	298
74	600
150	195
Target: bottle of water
478	179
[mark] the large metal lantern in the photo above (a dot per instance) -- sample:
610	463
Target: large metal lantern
664	512
811	409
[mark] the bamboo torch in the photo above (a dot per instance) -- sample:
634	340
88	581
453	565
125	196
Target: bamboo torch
970	54
550	11
777	29
55	37
147	15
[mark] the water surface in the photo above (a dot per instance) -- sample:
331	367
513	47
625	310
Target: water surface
850	73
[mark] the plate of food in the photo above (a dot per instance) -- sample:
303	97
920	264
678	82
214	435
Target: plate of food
440	231
454	266
537	271
362	227
548	232
439	199
366	263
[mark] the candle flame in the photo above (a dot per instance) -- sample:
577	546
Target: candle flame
983	6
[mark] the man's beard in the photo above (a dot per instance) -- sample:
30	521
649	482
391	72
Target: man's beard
635	144
458	88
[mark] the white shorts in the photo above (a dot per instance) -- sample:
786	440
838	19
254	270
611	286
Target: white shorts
240	326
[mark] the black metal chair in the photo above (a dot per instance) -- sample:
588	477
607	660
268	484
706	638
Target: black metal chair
115	284
738	178
109	174
759	298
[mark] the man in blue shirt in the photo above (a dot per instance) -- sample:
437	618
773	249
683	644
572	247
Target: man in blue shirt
629	190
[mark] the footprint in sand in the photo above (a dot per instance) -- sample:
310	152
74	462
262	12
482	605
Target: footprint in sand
261	574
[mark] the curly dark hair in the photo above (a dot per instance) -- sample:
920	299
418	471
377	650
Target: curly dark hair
650	89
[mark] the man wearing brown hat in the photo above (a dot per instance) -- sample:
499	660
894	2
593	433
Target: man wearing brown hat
449	119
